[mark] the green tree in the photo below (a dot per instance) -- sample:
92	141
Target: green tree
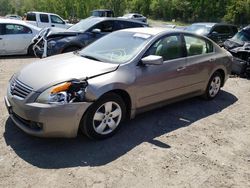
6	7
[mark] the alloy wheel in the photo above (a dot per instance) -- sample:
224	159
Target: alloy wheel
214	86
107	117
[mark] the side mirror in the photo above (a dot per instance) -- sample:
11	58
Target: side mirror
96	31
152	60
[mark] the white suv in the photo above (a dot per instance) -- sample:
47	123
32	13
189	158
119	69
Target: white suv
43	19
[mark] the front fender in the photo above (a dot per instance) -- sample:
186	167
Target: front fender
121	79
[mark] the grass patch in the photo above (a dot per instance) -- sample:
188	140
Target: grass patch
161	22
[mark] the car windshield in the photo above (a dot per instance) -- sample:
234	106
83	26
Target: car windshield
118	47
84	25
199	29
243	35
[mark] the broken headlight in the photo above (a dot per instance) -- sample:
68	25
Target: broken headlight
67	92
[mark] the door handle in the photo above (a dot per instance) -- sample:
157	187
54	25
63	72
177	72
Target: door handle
1	38
212	59
52	25
181	68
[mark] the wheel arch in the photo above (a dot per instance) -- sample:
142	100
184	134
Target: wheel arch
223	74
125	97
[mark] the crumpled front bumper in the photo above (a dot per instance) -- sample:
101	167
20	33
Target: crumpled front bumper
46	120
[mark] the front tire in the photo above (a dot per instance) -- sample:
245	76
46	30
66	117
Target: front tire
30	50
214	86
103	118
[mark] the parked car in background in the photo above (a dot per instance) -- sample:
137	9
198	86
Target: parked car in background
135	16
180	27
218	32
13	16
239	47
16	37
114	78
102	13
54	41
43	19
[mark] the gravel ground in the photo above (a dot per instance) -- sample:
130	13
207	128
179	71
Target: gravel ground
194	143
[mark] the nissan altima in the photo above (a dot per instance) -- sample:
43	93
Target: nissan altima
113	79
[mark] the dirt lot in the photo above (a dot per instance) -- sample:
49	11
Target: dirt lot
193	143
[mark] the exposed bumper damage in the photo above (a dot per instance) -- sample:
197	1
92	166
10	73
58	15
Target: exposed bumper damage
59	119
241	54
40	42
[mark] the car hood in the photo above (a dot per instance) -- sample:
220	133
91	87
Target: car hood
56	69
60	32
230	44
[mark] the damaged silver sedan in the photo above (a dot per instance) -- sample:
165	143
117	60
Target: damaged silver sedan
114	78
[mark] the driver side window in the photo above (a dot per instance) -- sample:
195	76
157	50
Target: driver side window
105	27
169	47
56	19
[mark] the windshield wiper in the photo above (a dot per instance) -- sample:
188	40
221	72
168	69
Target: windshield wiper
90	57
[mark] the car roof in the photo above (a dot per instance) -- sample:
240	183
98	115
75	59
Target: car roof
150	30
12	15
114	18
7	20
154	31
12	21
211	24
132	14
102	10
37	12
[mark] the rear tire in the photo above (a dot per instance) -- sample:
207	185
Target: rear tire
214	86
30	50
104	116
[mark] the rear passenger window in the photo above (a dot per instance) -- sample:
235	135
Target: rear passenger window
13	29
31	17
169	47
125	25
106	26
222	29
44	18
197	46
137	16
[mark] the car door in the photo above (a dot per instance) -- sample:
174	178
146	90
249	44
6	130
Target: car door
200	55
16	38
56	21
31	18
44	20
156	83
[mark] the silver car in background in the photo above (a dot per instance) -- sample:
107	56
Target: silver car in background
135	16
16	37
116	77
